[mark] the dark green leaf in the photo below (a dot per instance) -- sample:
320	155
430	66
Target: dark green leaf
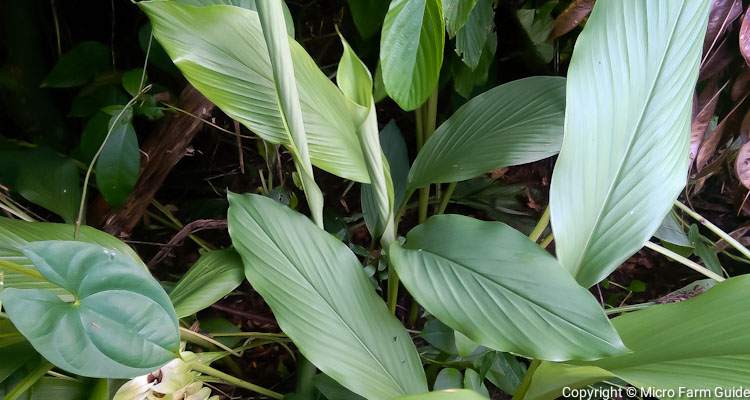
119	163
80	65
120	325
456	14
471	39
368	15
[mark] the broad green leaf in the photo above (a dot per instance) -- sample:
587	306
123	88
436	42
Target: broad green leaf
120	325
471	39
368	15
500	289
47	179
213	276
48	388
15	351
355	81
694	344
506	372
411	50
15	234
538	24
272	23
466	79
473	381
119	164
92	137
514	123
456	14
451	394
449	378
323	300
79	65
624	158
235	74
248	4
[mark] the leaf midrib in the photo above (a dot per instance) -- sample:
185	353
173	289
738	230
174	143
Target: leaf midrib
629	148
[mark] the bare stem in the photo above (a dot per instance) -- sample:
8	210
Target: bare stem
684	261
715	229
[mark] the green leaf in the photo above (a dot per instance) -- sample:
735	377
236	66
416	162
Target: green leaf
131	80
92	137
506	372
119	164
449	378
355	81
323	300
213	276
500	289
47	179
368	15
15	351
624	158
451	394
695	344
456	14
466	79
671	231
471	39
538	23
514	123
79	65
247	4
332	390
704	249
121	324
473	381
235	74
411	50
48	388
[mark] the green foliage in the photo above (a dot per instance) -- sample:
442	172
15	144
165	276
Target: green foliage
411	50
119	163
80	65
119	323
213	276
301	272
636	167
500	289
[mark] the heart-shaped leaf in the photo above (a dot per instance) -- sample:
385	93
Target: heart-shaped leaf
120	323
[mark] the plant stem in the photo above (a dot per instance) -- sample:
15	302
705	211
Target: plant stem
13	267
524	386
205	369
547	241
684	261
632	307
715	229
29	380
428	114
541	226
446	198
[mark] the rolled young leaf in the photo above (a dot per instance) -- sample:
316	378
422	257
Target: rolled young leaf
500	289
271	17
514	123
701	343
355	81
323	300
234	72
624	158
121	323
215	275
411	50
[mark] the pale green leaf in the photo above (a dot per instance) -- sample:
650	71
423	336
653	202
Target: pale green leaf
695	344
456	14
234	72
213	276
624	158
121	324
449	378
411	50
323	300
248	4
471	39
671	231
502	290
473	381
514	123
